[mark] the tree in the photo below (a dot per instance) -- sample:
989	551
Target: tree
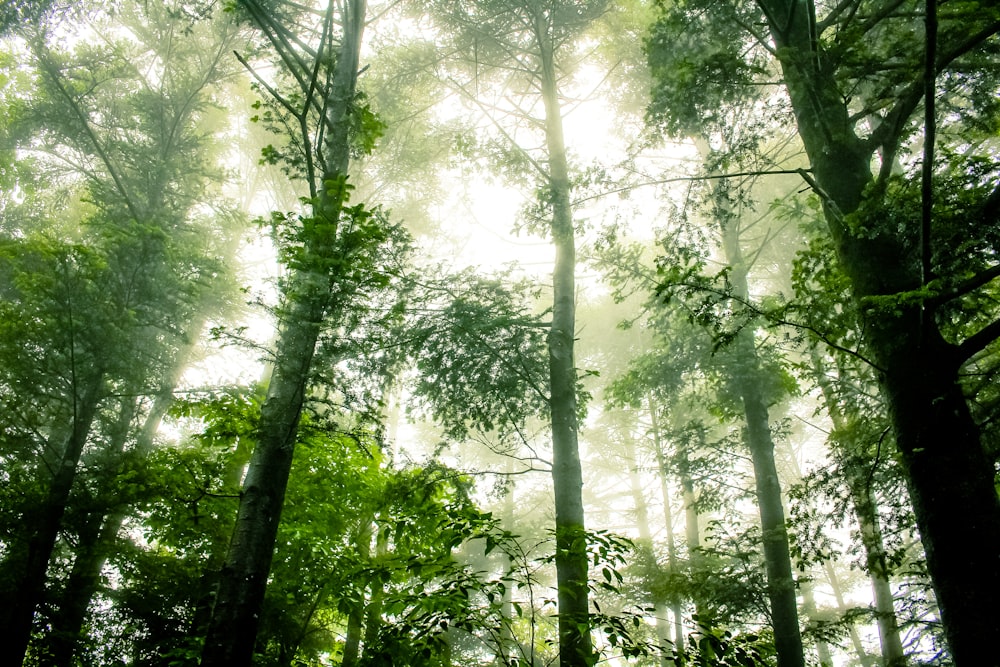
328	243
529	40
119	262
857	82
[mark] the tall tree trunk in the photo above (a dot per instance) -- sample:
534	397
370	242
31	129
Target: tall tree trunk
809	610
949	476
505	641
232	630
878	571
748	379
575	645
668	522
646	542
777	558
373	616
89	558
28	567
864	657
95	544
866	514
356	619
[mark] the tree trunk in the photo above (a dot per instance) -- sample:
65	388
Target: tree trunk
777	558
809	610
866	514
96	543
356	619
864	657
646	541
668	522
575	646
89	558
878	572
232	630
28	568
748	379
505	639
950	478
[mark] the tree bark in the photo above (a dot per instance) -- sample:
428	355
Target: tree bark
809	610
89	558
232	630
949	476
747	375
29	567
777	559
660	611
96	541
864	658
575	646
866	514
668	522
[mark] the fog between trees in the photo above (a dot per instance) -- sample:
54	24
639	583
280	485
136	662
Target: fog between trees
741	412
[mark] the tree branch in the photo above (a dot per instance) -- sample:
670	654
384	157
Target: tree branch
977	342
680	179
912	94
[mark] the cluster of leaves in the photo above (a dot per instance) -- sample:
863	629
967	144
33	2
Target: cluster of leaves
699	64
483	337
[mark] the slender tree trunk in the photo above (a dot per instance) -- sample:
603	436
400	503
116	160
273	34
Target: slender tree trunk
838	594
95	544
89	558
575	646
30	573
809	610
878	571
505	641
692	523
646	542
356	619
232	631
668	522
777	558
949	476
866	514
748	380
373	617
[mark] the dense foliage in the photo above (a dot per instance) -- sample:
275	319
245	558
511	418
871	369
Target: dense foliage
284	382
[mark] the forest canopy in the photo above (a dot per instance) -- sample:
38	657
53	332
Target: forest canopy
520	333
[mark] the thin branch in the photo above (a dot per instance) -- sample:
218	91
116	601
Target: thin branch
534	163
270	90
44	59
681	179
781	321
912	94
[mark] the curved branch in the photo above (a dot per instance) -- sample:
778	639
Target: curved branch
977	342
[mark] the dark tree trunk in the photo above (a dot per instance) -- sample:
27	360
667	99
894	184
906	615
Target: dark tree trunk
866	514
749	380
232	630
96	542
949	477
28	567
777	559
93	540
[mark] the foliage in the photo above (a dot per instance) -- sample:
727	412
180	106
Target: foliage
483	337
699	65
